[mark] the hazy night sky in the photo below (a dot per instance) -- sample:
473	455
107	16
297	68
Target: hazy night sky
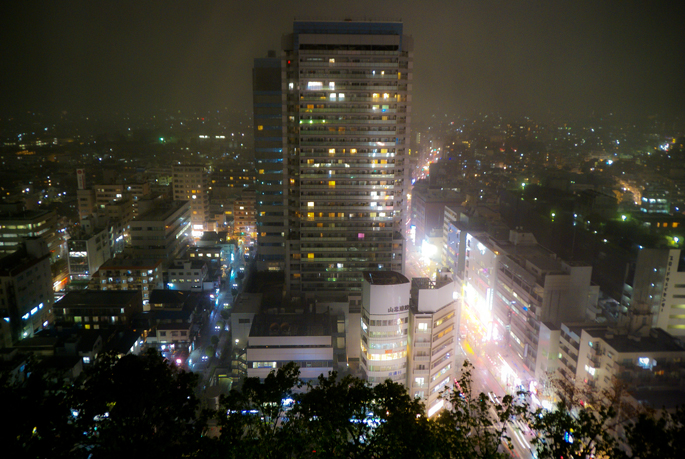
520	57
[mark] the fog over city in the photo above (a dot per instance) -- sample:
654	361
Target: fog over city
384	229
532	58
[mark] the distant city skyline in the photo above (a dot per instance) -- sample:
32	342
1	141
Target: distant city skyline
519	58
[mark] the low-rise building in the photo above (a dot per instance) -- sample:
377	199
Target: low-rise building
276	339
98	309
245	308
168	299
189	275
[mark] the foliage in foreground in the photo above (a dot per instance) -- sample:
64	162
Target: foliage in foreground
144	407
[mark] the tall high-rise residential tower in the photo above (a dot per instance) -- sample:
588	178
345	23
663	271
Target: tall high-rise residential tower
345	92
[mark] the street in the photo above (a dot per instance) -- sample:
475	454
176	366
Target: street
483	381
485	359
215	331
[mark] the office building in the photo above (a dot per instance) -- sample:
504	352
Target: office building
409	334
163	232
191	183
85	203
87	252
15	225
433	326
346	99
428	210
26	294
655	199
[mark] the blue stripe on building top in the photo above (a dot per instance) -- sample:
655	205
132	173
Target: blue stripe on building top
348	27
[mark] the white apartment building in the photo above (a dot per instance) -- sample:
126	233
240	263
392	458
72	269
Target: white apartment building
655	290
188	275
653	361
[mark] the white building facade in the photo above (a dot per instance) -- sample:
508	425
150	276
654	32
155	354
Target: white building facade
385	326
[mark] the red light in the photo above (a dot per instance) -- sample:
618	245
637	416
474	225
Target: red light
288	62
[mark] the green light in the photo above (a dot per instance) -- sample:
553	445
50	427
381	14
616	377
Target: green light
676	239
623	217
161	139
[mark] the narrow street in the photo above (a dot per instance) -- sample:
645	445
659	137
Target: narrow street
215	331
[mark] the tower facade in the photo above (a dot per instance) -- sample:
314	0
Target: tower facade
346	93
269	160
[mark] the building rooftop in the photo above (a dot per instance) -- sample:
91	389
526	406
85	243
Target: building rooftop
385	278
669	399
159	214
657	341
95	298
437	195
159	296
210	236
174	326
291	325
247	303
23	215
122	341
18	262
131	263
